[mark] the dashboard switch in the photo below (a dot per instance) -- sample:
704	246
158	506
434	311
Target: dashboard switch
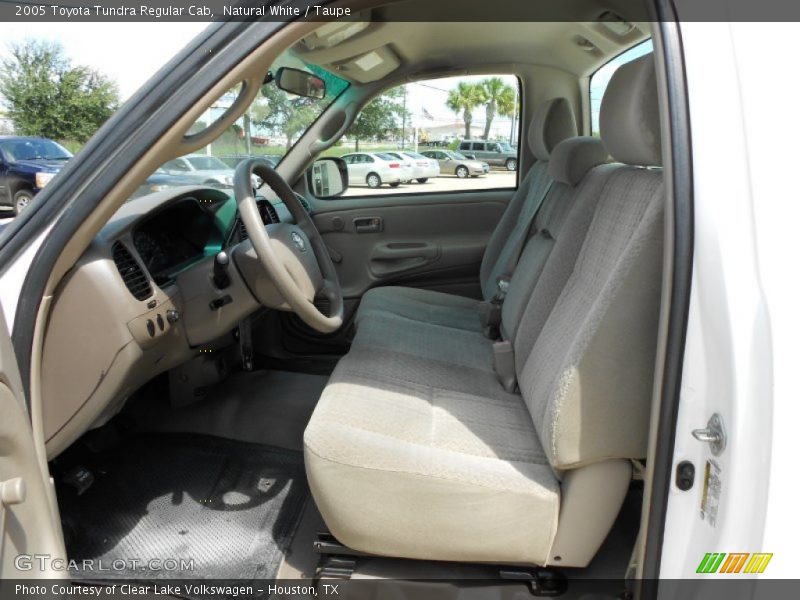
151	328
220	302
160	322
173	316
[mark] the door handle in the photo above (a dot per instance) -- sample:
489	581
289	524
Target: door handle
397	257
402	250
368	224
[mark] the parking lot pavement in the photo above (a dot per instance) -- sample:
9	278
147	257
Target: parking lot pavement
445	183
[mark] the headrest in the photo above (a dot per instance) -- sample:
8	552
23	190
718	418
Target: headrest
629	119
552	122
572	158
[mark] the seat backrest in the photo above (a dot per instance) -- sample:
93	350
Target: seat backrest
587	379
569	163
552	122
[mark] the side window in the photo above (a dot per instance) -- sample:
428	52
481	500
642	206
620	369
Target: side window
418	133
601	77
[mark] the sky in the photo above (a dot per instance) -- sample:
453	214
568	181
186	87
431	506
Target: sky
600	79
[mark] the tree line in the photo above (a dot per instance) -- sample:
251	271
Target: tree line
45	94
498	97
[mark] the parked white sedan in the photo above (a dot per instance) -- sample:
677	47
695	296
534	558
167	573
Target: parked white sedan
376	168
423	167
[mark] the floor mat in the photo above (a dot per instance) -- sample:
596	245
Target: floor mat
187	506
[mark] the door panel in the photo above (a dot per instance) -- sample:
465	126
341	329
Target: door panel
433	241
28	523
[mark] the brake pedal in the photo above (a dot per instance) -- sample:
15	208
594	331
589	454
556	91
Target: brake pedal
79	478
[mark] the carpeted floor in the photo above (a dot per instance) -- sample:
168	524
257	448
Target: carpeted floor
229	509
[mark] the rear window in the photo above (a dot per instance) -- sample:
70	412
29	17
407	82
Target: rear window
601	77
386	156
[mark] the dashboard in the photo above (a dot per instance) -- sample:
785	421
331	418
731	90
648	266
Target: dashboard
178	237
146	281
185	232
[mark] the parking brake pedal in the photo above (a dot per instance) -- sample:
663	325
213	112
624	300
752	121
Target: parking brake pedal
542	582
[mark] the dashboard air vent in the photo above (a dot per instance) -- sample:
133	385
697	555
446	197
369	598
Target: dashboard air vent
323	305
269	214
132	274
304	202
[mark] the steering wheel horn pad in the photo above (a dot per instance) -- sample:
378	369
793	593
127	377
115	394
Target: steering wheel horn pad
293	256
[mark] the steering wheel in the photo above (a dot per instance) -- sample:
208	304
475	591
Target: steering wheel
293	255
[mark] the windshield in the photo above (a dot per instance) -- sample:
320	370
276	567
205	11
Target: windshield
457	155
34	150
269	128
206	163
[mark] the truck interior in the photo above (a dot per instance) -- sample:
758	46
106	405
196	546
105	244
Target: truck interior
446	385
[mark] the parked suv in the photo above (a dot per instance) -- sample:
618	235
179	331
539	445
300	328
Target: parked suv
498	154
27	164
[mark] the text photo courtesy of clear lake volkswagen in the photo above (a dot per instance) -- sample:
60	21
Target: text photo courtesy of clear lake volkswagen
387	299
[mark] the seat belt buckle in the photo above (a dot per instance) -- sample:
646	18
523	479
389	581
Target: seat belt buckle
504	365
489	314
503	282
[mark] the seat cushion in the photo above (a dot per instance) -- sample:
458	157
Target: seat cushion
418	471
453	346
421	305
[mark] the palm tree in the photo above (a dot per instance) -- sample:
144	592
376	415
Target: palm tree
499	101
466	97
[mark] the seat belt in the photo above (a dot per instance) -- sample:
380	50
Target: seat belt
513	258
490	311
504	365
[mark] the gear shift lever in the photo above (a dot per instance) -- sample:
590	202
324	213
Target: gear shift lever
220	277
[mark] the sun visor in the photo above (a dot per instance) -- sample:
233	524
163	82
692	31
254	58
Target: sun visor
370	66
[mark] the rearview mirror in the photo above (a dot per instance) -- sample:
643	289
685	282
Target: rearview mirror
300	83
327	177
